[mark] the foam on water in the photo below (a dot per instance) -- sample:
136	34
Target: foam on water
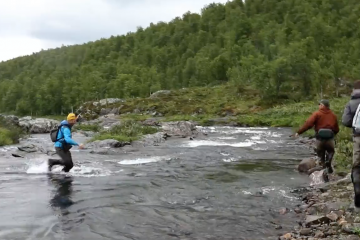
7	148
270	190
229	159
40	166
198	143
144	160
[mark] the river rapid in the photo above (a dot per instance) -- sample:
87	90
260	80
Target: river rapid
229	186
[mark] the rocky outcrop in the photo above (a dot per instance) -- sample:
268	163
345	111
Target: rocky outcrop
38	125
91	110
179	129
106	121
106	101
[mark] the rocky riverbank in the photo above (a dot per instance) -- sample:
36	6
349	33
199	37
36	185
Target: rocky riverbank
327	210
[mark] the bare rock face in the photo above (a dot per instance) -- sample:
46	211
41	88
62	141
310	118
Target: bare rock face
38	125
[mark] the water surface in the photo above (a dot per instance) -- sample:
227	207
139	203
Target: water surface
229	186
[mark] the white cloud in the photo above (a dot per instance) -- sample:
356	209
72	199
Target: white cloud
29	26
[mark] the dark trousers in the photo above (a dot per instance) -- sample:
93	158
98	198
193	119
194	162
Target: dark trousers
355	171
325	150
66	160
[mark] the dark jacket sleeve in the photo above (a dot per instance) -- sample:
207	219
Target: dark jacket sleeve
347	116
336	127
310	122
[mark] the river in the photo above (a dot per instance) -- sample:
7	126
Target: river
229	186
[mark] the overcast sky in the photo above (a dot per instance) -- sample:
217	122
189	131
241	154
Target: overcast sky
27	26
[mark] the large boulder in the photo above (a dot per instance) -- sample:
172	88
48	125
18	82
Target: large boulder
180	129
38	125
151	140
106	121
306	164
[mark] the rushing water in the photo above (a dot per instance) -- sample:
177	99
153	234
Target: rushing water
229	186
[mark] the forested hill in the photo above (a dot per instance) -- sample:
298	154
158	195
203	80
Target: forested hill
277	46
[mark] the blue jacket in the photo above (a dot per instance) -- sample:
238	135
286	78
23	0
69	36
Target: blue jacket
65	135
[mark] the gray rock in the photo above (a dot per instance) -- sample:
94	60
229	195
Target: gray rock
305	231
307	164
105	111
29	148
151	139
332	216
319	234
151	122
11	119
104	102
108	143
38	125
180	128
115	111
316	219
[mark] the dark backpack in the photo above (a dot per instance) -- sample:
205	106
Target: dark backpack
54	133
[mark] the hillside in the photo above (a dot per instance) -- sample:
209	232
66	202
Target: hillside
285	49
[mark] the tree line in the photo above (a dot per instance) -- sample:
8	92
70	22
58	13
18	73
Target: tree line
283	48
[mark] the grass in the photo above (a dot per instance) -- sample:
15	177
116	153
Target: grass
127	131
219	101
9	133
87	127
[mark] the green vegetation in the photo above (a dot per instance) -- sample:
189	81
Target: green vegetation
217	101
87	127
283	49
9	134
127	131
258	62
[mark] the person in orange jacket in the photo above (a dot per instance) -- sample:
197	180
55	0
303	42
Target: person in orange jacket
325	123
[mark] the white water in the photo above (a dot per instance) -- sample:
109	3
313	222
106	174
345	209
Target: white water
144	160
